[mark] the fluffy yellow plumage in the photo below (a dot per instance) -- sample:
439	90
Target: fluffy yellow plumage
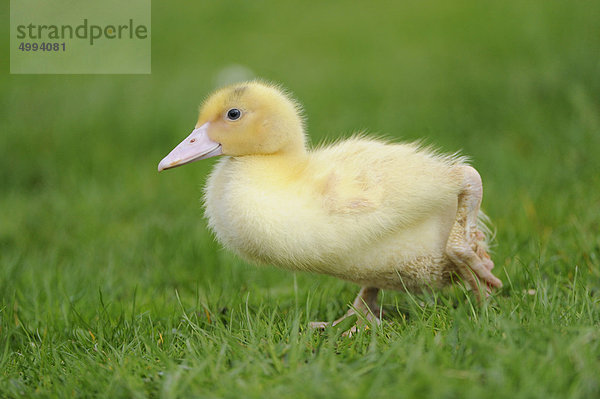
382	215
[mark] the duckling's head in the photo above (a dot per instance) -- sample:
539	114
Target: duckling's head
251	118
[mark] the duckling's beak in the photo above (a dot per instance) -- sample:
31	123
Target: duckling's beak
196	146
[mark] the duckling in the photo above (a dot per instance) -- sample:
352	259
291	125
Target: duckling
379	214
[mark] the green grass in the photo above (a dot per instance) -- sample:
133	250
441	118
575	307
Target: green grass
111	285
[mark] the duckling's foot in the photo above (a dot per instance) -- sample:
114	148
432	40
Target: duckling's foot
466	244
364	306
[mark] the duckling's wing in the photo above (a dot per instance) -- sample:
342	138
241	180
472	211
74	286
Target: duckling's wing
390	185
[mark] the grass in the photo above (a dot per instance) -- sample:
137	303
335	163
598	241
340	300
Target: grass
111	285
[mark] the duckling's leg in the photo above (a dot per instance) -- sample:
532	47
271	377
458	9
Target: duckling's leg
465	245
365	304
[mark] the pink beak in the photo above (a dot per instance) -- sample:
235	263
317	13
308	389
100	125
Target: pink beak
196	146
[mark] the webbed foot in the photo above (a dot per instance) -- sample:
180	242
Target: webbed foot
364	306
466	245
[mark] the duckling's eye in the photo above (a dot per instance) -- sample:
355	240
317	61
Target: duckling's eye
234	114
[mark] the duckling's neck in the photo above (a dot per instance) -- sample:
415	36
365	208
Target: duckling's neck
285	166
296	146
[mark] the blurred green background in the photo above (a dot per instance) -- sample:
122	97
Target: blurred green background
94	240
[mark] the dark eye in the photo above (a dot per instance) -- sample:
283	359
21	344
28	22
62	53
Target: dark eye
234	114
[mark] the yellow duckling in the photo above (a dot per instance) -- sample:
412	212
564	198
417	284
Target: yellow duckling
381	215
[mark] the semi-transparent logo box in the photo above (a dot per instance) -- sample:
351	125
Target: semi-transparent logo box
80	37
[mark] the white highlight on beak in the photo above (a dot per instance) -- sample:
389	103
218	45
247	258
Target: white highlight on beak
196	146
